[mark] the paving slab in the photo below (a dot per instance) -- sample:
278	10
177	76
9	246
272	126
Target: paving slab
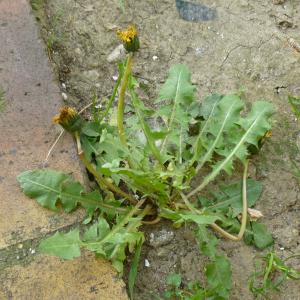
49	278
26	134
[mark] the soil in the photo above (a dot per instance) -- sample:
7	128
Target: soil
247	46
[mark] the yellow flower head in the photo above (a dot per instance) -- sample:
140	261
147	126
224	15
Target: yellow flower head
130	39
69	119
127	35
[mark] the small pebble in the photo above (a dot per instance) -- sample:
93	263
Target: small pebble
63	86
33	251
161	238
20	246
281	248
116	54
147	263
115	77
64	96
18	257
155	58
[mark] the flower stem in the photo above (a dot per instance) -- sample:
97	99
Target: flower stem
112	98
216	227
121	102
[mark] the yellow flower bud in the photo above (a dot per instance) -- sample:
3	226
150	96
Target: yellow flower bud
130	39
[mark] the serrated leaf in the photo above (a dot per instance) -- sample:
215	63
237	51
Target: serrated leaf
255	126
225	117
208	107
218	274
63	245
179	93
49	187
207	110
43	185
178	85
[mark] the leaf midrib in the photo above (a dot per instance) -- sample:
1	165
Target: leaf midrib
212	148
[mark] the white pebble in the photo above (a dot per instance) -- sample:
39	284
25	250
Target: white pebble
147	263
115	77
32	251
64	96
154	57
281	248
20	246
63	86
18	257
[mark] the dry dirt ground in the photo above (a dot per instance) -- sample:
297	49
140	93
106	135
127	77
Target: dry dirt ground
249	46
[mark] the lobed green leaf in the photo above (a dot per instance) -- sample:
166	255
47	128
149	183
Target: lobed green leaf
63	245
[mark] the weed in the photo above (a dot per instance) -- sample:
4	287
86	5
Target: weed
270	273
144	162
177	291
295	104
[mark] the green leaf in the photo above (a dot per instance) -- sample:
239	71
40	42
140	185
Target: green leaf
225	117
179	93
70	195
207	111
43	185
229	197
261	237
89	147
218	274
111	243
254	126
91	129
208	107
133	268
49	187
63	245
140	180
178	86
207	242
199	219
